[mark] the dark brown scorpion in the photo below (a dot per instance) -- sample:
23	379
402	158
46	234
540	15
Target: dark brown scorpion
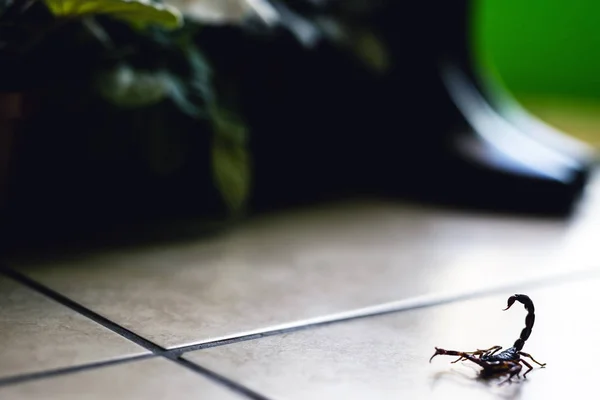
508	361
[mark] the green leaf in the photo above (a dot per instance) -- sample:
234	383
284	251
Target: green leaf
138	13
231	160
192	89
129	88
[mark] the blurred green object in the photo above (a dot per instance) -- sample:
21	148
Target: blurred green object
231	161
541	47
138	13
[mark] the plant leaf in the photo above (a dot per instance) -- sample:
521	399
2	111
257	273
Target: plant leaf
231	160
138	13
192	90
130	88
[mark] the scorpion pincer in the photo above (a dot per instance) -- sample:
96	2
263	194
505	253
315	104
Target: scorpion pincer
507	361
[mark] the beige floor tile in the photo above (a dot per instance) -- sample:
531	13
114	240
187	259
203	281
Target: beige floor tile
155	379
38	334
386	357
302	265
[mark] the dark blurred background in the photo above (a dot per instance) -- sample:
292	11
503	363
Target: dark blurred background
138	124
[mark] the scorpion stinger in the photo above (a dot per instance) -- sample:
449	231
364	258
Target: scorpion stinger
508	361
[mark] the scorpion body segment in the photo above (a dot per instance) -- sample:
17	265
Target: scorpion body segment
505	362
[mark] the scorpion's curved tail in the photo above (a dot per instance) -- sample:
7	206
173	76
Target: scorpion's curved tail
529	320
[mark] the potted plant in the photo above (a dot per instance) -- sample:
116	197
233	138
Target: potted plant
111	107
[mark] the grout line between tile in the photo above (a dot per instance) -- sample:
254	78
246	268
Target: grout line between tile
409	304
12	380
220	379
128	334
65	301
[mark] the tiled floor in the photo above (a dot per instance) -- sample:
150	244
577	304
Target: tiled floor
341	302
38	334
296	267
346	301
146	379
385	357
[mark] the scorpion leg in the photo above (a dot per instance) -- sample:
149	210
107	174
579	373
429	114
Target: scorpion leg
527	365
495	350
532	359
514	370
461	354
491	351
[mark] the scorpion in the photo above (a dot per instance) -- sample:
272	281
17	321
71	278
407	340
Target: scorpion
507	361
